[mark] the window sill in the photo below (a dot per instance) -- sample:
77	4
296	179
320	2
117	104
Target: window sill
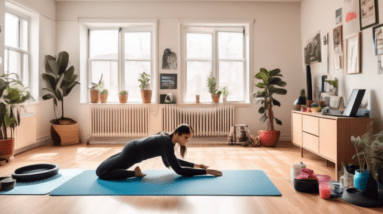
237	104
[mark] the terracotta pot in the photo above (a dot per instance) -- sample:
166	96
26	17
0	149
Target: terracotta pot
269	138
215	98
104	98
94	95
65	134
7	148
146	95
123	98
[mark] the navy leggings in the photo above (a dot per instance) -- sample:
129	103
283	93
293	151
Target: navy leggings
115	167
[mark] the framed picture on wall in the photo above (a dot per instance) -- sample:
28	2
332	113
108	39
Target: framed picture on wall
168	81
377	33
368	13
338	39
352	60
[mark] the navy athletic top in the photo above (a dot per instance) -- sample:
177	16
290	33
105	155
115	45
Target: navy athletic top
160	145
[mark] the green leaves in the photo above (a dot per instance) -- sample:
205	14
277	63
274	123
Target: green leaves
264	118
261	110
144	80
280	91
276	102
278	121
62	62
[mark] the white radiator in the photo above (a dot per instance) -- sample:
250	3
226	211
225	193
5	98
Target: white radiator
206	121
120	121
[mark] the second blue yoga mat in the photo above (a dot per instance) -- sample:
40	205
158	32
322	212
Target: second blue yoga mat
166	182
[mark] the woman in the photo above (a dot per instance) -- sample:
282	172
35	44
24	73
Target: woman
115	167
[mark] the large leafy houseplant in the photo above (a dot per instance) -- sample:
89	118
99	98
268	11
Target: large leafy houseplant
60	81
268	85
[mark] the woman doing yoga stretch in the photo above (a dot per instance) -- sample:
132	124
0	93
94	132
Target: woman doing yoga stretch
162	144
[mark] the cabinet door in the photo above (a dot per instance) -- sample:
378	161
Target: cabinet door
297	129
328	138
310	142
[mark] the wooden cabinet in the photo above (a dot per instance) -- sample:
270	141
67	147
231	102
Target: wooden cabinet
327	136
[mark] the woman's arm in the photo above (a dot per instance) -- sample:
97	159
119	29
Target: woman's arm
173	162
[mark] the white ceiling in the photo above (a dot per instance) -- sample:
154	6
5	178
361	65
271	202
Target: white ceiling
193	0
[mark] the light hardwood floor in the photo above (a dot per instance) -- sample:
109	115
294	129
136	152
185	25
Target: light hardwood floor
276	162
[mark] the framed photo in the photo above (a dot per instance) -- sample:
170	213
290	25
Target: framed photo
377	33
168	81
380	65
351	14
313	49
368	13
338	39
338	61
338	16
352	59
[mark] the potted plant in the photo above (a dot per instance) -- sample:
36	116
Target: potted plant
270	79
334	84
60	82
123	96
104	96
211	84
225	93
369	151
12	93
146	92
95	90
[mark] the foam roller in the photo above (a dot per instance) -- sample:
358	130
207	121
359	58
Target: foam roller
7	183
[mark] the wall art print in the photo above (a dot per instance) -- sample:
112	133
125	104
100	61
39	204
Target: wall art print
313	50
168	81
369	16
169	60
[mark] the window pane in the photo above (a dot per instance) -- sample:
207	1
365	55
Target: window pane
199	46
24	39
137	45
231	74
15	63
133	69
25	70
104	44
11	30
230	45
110	77
6	69
197	73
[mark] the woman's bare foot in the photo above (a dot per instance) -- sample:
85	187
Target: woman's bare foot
138	172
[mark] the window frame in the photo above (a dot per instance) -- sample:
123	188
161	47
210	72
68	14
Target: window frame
214	29
121	53
27	18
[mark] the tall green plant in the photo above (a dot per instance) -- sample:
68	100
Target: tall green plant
60	81
270	79
12	93
211	84
144	80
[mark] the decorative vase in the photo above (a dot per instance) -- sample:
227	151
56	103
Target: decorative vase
94	95
104	98
64	134
215	98
123	98
146	95
7	147
361	178
269	138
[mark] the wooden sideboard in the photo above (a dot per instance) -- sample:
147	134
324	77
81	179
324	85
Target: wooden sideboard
327	136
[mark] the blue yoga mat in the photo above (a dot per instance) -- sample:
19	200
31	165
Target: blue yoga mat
43	187
166	182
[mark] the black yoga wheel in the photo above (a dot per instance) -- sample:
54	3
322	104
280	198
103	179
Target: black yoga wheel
35	172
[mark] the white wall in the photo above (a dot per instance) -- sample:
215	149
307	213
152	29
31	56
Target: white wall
45	10
320	15
277	44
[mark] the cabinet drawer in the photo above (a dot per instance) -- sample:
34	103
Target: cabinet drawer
310	142
311	125
328	138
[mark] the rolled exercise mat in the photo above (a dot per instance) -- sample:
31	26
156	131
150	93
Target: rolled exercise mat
7	183
42	187
166	182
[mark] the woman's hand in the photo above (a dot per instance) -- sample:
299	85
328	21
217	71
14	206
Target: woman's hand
214	172
200	166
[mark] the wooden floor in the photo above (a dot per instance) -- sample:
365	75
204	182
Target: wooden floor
276	162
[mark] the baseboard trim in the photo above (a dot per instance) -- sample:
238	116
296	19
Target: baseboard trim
40	142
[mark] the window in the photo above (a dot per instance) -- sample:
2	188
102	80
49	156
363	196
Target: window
16	51
120	71
219	52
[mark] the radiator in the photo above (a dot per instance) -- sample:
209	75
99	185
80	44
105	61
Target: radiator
120	121
206	121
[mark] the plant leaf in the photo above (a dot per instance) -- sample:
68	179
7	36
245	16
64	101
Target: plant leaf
261	85
261	110
69	89
62	61
50	79
264	118
278	121
274	72
276	102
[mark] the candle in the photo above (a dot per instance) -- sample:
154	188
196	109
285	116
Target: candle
197	98
324	190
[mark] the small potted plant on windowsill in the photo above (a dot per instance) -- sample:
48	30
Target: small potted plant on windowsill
12	93
123	96
225	93
60	82
146	92
95	90
104	96
211	84
270	79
